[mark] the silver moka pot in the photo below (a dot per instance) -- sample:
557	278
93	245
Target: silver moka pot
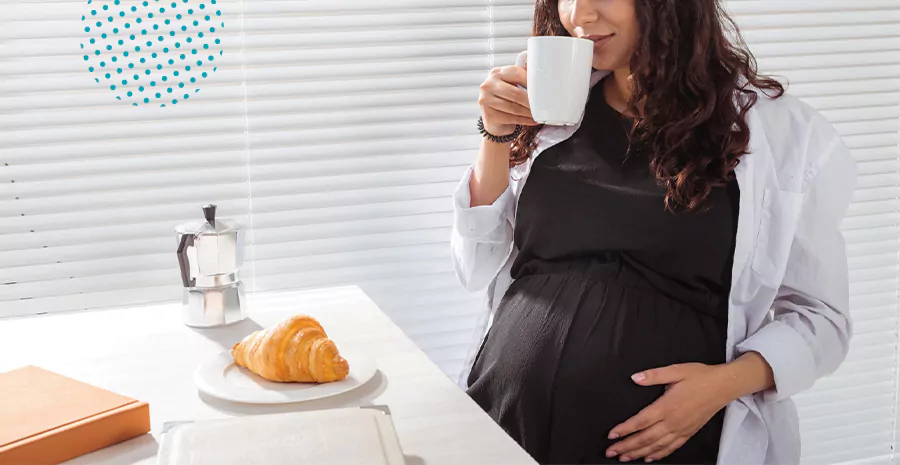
210	254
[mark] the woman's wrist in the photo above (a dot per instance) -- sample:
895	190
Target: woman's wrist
500	131
746	375
499	135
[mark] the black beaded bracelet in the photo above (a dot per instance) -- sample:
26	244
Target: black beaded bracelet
498	139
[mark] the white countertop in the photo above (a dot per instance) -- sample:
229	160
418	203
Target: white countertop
147	353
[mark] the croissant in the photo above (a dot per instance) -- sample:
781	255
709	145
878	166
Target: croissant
295	350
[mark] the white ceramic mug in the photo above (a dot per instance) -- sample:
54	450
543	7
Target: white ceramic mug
559	78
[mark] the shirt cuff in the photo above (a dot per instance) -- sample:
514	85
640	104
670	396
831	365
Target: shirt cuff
789	355
484	223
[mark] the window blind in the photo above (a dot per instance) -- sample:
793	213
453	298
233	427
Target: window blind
335	130
91	187
361	117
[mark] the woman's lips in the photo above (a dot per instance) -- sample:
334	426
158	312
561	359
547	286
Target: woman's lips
600	41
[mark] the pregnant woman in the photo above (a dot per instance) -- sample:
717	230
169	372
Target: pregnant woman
663	277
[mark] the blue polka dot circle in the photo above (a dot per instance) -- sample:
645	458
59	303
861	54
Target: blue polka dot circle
134	48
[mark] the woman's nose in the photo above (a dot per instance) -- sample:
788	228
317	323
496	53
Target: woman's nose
583	13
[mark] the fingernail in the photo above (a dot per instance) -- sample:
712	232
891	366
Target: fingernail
613	436
625	458
638	377
648	460
610	453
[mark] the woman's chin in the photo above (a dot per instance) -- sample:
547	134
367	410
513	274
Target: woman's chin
603	63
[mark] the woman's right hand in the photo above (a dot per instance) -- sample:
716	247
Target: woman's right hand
503	104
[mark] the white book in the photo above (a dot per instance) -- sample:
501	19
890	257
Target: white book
352	436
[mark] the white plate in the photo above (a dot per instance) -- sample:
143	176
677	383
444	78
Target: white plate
221	377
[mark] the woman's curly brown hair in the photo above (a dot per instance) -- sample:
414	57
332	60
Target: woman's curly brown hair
696	85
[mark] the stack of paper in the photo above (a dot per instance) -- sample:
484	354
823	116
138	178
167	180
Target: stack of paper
355	436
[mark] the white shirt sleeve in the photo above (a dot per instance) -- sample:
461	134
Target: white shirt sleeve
809	337
482	236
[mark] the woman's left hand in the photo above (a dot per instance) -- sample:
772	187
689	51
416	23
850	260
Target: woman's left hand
694	394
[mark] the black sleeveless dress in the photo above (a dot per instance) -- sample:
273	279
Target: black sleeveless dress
607	283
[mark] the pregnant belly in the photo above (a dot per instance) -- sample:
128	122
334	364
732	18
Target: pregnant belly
565	346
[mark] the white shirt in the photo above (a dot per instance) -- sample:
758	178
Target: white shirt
789	297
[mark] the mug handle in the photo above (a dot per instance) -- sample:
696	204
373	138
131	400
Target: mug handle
522	62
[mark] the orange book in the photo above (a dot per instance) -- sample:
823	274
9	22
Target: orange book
46	418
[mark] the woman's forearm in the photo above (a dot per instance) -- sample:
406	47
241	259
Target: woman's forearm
747	375
490	176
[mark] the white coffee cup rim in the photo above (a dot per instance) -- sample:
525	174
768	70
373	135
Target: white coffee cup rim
558	38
